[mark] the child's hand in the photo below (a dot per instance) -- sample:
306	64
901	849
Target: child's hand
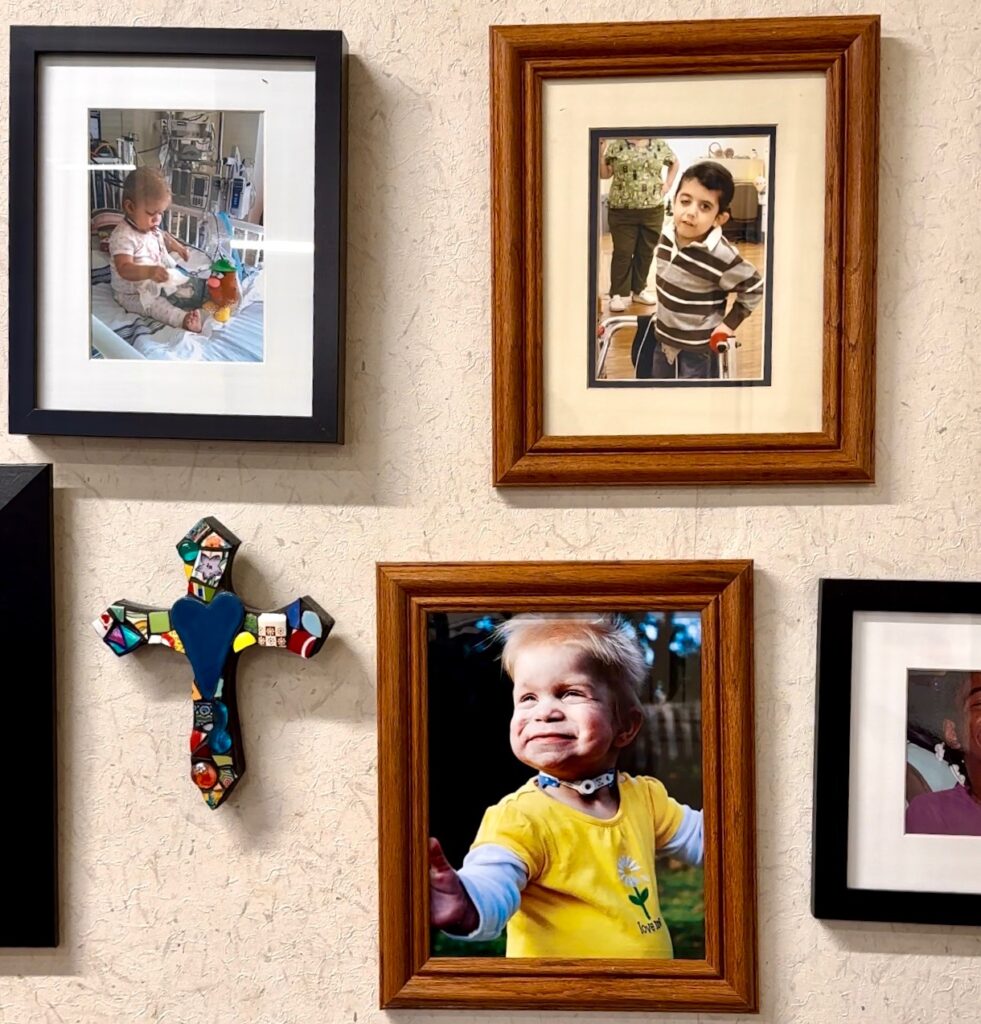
720	335
179	249
450	908
160	274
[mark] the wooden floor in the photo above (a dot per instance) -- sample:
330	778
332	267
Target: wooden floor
749	333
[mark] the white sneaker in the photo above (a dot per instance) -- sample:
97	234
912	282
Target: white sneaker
645	297
617	305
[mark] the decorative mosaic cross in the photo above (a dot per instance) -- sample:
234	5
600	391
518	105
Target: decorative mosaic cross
212	627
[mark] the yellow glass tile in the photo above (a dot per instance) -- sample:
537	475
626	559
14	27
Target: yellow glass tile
242	641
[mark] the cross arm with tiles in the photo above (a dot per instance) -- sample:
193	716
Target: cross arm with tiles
212	626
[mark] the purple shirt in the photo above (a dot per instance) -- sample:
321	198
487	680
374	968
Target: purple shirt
948	812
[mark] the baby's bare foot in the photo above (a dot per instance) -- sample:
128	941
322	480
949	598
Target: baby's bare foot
192	322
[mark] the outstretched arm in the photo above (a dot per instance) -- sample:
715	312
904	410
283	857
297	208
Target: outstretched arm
175	247
127	268
688	842
476	902
450	907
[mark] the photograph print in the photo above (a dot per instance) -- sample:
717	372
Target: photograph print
943	753
176	207
680	256
565	785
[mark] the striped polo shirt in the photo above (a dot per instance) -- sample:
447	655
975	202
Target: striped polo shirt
694	283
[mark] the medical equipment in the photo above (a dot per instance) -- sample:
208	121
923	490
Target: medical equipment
723	349
200	178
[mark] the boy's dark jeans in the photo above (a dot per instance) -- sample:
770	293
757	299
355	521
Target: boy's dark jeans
691	363
650	362
635	234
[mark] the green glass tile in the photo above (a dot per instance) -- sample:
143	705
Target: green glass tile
159	622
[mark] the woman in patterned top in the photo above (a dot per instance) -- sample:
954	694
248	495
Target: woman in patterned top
636	211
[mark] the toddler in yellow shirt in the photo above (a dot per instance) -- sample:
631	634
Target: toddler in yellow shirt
566	862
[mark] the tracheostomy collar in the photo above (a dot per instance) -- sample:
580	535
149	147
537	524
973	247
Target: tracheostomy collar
584	787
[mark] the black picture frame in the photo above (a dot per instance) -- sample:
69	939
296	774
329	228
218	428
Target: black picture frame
831	898
28	755
327	50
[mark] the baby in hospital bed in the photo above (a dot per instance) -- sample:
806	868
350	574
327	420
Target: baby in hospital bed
141	253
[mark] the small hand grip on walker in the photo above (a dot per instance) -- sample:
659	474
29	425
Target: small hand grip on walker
719	342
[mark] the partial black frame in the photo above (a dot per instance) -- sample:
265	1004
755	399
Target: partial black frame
28	754
592	291
830	896
327	50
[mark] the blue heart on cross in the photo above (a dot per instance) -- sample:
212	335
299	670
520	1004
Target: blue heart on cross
207	631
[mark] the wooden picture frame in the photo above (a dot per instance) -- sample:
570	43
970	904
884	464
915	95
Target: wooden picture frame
524	58
28	757
726	979
846	679
274	409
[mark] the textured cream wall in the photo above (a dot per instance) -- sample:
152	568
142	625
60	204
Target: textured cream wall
265	910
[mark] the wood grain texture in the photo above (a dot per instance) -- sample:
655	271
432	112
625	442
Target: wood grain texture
846	50
727	978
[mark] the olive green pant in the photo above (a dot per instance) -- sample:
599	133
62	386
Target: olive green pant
635	234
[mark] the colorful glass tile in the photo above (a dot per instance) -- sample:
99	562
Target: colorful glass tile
213	627
215	540
138	620
171	639
123	638
301	642
205	775
159	622
242	641
272	629
207	631
312	624
188	550
199	530
210	567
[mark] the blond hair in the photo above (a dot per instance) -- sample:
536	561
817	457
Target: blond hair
606	641
144	185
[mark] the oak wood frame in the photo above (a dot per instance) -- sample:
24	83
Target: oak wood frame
726	980
846	50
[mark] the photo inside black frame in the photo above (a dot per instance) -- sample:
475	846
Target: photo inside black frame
471	766
178	194
943	752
